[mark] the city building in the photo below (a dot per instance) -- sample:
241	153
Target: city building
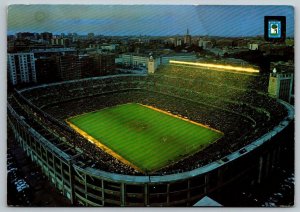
195	40
205	44
21	68
46	70
52	52
25	35
164	59
135	60
281	81
104	63
19	45
170	41
142	60
280	85
109	47
46	36
87	66
187	38
95	45
10	45
68	67
74	38
60	41
178	42
104	47
253	46
152	65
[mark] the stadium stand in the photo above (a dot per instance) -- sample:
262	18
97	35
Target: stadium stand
236	104
229	102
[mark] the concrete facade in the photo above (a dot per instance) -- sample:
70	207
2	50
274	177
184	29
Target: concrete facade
21	68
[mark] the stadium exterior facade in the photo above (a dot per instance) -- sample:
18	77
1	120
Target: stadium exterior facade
94	187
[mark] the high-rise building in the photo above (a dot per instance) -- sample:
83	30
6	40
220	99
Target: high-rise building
68	67
187	38
21	68
104	64
46	70
87	66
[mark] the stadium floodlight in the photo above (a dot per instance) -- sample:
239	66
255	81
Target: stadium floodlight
217	66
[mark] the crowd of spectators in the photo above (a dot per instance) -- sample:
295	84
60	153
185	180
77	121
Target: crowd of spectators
67	140
257	82
221	100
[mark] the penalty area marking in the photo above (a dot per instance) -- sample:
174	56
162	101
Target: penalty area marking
103	147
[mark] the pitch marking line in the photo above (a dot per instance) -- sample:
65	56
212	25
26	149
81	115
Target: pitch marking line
116	155
103	147
179	117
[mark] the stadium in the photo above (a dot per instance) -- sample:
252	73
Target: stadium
163	139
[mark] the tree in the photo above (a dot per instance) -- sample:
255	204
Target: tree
274	27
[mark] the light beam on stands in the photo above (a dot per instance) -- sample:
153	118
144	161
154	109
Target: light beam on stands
224	67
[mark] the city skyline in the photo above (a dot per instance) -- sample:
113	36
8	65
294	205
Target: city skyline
151	20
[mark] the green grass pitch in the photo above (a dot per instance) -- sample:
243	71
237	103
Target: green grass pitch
147	138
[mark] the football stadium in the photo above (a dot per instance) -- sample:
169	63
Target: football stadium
163	139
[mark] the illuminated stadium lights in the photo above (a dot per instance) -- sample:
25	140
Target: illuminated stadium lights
226	67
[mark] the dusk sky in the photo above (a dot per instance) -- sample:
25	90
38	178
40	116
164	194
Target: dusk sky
145	19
